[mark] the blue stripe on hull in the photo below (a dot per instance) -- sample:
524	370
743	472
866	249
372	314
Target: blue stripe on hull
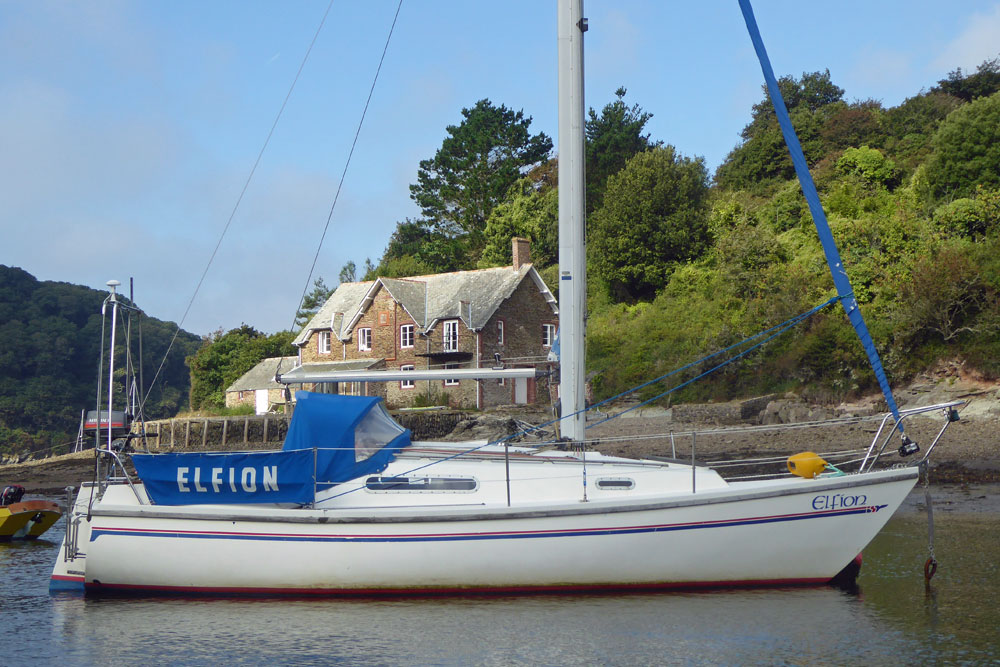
460	537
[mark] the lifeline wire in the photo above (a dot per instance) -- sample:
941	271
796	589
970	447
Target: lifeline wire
778	330
343	175
239	200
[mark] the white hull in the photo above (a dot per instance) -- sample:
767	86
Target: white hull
789	532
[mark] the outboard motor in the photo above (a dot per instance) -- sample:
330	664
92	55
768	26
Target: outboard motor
11	494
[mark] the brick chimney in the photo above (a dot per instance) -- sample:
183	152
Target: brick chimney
521	251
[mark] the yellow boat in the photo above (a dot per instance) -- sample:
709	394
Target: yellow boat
27	520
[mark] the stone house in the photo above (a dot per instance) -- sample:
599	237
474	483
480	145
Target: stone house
257	387
465	319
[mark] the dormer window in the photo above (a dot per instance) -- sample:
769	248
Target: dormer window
450	333
323	342
364	340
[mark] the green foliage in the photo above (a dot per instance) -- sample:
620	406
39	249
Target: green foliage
951	296
477	163
612	139
746	254
530	212
678	271
856	124
967	150
50	345
348	272
418	248
870	165
985	82
811	92
962	217
227	356
654	216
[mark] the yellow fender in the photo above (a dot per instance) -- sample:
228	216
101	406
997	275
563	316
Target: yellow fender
806	464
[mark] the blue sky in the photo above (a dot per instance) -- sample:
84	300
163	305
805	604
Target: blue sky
128	129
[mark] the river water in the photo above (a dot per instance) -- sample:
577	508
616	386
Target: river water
892	618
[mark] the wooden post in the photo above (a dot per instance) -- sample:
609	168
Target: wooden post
225	427
265	429
204	435
171	434
246	430
187	434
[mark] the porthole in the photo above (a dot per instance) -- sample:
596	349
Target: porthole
420	484
616	484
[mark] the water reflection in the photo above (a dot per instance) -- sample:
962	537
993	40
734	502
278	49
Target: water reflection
889	619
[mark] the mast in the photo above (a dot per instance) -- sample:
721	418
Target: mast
572	213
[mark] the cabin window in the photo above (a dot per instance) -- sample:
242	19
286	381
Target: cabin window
417	484
406	384
450	336
616	484
323	342
548	334
364	340
499	332
451	382
406	335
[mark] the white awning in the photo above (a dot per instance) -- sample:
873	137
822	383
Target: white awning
302	374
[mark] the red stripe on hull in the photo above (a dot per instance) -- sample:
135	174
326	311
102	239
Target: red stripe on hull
126	589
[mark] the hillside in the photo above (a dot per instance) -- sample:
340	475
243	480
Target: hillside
683	263
50	344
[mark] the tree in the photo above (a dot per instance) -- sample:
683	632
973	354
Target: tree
853	125
967	88
530	212
654	215
50	343
477	163
347	272
812	91
224	357
417	246
312	302
869	165
967	150
612	138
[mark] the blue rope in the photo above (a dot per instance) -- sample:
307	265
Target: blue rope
840	279
778	330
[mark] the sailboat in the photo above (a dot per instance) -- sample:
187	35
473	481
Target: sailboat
351	506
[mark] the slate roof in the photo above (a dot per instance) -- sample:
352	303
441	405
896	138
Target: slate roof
428	299
261	376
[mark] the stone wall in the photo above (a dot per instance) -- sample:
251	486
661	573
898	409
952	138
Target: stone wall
523	315
248	432
218	433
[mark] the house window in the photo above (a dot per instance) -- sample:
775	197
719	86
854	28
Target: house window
450	382
499	332
406	384
548	334
406	335
364	340
450	336
323	342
